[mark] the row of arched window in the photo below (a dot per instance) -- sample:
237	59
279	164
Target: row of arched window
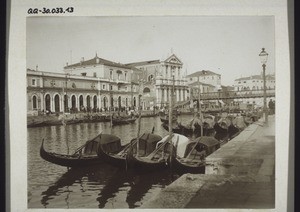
77	103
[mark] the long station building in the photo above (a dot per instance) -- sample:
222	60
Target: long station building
100	85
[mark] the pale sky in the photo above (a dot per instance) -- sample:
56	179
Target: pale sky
227	45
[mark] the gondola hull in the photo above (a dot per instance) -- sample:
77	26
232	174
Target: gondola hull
112	159
193	159
142	165
165	120
87	157
69	160
123	121
122	159
183	130
195	167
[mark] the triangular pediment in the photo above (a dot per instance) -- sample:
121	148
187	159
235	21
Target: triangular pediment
173	59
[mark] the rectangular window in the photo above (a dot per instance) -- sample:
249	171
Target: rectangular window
83	74
103	87
95	74
33	82
111	74
111	87
125	76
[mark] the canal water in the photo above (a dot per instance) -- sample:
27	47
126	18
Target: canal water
101	186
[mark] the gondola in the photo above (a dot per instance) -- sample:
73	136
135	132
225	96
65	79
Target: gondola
97	118
184	130
190	155
190	132
165	119
121	121
147	143
221	131
148	115
86	154
159	158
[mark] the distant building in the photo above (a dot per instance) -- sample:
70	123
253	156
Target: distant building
204	88
205	76
91	85
98	84
158	81
254	82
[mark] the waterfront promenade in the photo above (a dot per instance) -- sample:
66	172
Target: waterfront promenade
241	174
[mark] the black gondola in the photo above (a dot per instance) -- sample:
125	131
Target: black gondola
121	121
86	154
158	159
147	143
165	119
190	132
190	155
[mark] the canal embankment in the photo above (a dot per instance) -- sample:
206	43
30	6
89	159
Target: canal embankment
241	174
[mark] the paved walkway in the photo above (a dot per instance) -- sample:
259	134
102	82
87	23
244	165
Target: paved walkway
238	175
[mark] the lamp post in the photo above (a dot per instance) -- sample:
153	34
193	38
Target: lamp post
263	58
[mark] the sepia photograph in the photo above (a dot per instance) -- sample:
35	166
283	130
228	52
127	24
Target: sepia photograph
151	111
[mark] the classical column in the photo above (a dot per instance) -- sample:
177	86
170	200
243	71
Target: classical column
166	95
182	95
42	101
99	102
52	106
62	103
184	92
177	94
77	102
157	95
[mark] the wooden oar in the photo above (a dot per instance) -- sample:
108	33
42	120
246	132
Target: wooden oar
81	147
175	153
150	156
130	145
193	148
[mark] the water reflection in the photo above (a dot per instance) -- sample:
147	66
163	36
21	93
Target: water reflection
102	186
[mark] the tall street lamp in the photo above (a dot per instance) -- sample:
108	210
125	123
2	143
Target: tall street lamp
263	58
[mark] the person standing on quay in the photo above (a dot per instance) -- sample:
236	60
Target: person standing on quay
271	107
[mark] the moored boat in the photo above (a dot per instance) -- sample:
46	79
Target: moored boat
190	155
159	159
165	119
147	143
121	121
184	130
85	155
